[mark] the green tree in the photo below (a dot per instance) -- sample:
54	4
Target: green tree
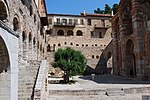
107	9
115	8
99	11
72	62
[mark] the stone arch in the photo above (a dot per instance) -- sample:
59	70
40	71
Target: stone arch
109	63
3	11
15	24
5	71
79	33
69	33
60	32
130	65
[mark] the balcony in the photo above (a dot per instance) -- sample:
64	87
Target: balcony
58	24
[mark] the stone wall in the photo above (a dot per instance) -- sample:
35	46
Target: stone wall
130	39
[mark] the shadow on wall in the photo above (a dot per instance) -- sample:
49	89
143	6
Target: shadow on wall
104	65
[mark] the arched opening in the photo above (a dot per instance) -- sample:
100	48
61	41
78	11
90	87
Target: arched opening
130	66
34	41
79	33
60	32
23	36
15	24
3	11
109	63
34	18
48	48
31	10
41	47
70	33
30	37
4	71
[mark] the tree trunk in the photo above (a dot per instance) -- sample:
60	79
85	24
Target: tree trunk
66	78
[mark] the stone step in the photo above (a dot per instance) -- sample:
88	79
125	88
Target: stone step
76	92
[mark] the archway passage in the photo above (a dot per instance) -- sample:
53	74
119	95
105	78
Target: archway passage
130	66
3	11
109	63
4	72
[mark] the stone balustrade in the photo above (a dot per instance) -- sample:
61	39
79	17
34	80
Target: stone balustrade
40	90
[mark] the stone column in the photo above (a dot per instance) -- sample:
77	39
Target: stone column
138	31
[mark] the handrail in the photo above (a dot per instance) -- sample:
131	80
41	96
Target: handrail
4	26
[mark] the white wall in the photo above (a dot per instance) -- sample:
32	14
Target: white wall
11	42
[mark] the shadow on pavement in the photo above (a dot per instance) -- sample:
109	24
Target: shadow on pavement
112	79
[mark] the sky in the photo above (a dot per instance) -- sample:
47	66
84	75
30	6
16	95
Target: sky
76	6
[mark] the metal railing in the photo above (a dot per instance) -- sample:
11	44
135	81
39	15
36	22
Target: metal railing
4	26
64	24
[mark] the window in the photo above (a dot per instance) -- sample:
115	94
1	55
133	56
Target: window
79	33
15	24
64	21
34	18
97	56
86	45
48	48
82	45
59	44
92	56
70	21
95	44
77	44
58	20
89	21
30	37
31	10
103	23
65	43
23	36
69	33
3	11
92	33
76	21
71	43
81	21
60	33
34	41
100	35
50	21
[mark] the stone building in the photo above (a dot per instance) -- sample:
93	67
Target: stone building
131	39
22	51
88	33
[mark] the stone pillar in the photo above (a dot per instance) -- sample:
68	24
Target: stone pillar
138	31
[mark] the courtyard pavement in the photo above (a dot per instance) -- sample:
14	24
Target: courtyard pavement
99	83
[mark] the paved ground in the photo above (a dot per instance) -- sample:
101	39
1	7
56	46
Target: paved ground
101	83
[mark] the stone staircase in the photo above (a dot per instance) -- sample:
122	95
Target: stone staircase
67	94
27	77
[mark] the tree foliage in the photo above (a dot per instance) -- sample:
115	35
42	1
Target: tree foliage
107	10
72	62
99	11
115	8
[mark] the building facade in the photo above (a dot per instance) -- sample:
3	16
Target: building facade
131	39
88	33
22	40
